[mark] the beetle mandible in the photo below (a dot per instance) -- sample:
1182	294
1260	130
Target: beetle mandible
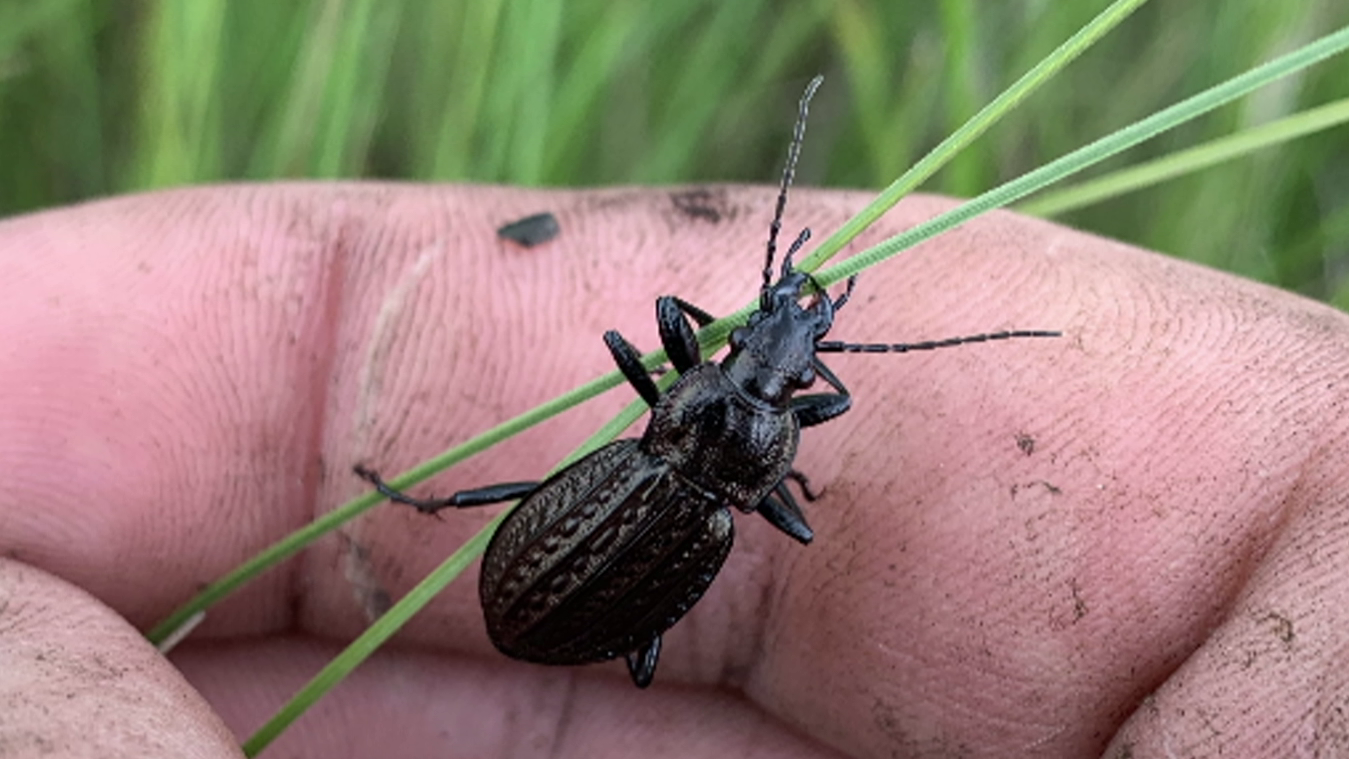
601	558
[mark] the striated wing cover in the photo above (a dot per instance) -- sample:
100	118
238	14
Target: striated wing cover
604	556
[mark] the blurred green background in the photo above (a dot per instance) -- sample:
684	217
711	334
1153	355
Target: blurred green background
100	97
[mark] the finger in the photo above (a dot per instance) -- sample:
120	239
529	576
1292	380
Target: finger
410	703
1270	681
956	564
76	680
1022	547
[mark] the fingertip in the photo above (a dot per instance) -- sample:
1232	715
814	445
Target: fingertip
77	680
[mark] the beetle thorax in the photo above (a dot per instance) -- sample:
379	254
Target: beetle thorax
721	438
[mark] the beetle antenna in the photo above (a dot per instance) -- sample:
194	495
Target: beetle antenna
835	346
800	240
788	173
842	300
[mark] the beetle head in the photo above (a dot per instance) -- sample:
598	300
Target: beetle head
773	355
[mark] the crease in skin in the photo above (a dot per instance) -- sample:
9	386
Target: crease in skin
565	713
372	597
383	332
357	568
1269	618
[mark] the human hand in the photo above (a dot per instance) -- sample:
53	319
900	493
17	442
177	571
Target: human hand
1126	541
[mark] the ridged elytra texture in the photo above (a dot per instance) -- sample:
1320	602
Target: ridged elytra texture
609	553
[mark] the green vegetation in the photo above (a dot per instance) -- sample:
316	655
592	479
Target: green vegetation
99	97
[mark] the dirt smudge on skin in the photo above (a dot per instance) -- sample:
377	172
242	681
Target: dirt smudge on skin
703	204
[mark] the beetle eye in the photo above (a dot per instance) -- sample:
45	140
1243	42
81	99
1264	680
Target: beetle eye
805	379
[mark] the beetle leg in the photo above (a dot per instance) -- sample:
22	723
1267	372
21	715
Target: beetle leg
783	512
827	374
642	663
702	317
680	343
630	363
818	408
803	482
506	491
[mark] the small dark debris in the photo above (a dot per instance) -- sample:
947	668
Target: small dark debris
1282	627
700	204
1026	443
1079	604
1049	487
531	230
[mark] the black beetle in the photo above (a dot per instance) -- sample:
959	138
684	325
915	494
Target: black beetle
603	557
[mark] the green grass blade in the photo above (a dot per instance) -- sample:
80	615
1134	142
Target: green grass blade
977	125
454	154
19	20
1096	152
581	87
353	86
180	126
967	172
707	80
1185	162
